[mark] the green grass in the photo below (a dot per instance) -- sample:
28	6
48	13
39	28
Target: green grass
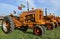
17	34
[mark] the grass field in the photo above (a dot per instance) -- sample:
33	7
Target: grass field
17	34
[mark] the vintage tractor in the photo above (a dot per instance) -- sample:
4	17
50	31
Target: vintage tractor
58	20
34	19
27	19
51	21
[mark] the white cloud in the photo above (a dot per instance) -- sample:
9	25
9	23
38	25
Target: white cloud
42	1
6	9
55	3
52	5
56	6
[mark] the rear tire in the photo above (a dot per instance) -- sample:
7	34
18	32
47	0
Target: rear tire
7	28
38	30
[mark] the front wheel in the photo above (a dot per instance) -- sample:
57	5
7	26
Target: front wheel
50	26
38	30
59	24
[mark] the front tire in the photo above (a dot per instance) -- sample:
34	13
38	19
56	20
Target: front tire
38	30
50	26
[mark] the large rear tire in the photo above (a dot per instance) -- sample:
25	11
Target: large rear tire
38	30
8	25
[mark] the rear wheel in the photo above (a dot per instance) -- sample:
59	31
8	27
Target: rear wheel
7	25
38	30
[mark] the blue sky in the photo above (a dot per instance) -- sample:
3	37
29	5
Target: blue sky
7	6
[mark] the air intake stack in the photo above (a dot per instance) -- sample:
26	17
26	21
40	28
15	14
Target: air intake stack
45	11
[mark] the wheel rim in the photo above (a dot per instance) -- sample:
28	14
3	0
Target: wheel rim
49	27
5	26
38	31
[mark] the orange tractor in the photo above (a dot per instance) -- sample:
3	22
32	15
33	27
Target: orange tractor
28	19
58	20
51	21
